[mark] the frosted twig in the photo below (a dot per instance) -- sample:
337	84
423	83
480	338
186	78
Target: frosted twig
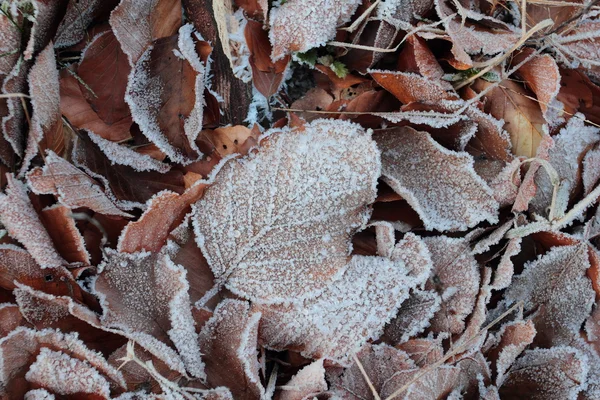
362	17
11	95
364	373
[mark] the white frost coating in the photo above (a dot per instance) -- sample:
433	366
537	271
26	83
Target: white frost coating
565	157
136	292
240	54
556	285
299	25
193	123
65	375
349	312
439	184
39	394
260	225
559	372
182	332
23	224
122	155
414	315
309	380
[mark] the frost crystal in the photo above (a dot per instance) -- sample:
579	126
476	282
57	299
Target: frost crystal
276	225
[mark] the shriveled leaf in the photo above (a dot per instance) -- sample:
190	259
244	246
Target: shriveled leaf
410	87
300	25
557	292
277	225
414	315
73	187
145	296
22	223
137	23
439	184
165	94
228	343
540	374
350	311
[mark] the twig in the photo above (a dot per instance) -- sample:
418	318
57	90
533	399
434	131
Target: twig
360	19
364	374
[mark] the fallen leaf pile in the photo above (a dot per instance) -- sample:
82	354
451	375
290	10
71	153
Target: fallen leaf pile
299	199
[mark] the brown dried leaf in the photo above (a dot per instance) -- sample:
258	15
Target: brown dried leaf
523	118
67	239
456	199
73	187
307	383
228	343
138	23
409	87
165	94
437	383
414	316
285	216
78	16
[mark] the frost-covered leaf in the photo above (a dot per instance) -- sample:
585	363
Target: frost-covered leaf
39	394
504	272
22	223
541	374
46	130
277	225
580	46
18	351
423	352
300	25
570	144
73	187
10	318
591	170
145	296
439	184
380	363
80	14
131	188
455	276
307	383
136	23
350	311
165	94
61	374
414	315
67	239
557	292
228	343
